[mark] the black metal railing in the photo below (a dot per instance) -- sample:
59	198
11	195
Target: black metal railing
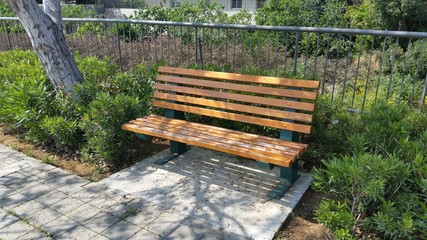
356	66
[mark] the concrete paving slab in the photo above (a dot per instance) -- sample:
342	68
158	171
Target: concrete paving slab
35	234
83	213
80	232
11	168
44	216
201	194
6	219
145	235
28	208
216	189
11	201
101	221
121	230
15	230
60	226
67	205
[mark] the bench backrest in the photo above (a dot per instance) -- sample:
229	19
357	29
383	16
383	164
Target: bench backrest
268	101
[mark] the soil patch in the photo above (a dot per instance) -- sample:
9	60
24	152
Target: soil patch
301	224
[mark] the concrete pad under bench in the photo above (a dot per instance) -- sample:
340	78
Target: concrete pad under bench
204	193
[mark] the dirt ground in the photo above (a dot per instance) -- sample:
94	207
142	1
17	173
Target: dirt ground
300	226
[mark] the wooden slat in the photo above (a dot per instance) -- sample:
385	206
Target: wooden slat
237	97
217	146
271	143
191	132
240	87
236	117
228	132
241	77
236	107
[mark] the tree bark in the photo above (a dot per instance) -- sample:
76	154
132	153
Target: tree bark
53	9
49	42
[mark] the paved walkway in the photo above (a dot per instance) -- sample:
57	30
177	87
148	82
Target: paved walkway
200	195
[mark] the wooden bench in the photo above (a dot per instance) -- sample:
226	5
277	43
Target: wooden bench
286	104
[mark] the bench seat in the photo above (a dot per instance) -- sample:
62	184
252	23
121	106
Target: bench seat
261	148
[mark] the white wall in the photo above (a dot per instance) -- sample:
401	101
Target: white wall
246	4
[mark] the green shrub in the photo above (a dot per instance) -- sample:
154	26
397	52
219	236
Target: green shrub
5	10
102	127
337	217
89	119
77	11
382	180
332	125
26	96
63	132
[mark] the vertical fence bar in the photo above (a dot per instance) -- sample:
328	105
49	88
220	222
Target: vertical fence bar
393	58
161	41
422	46
296	49
356	77
268	48
234	49
305	59
276	53
258	49
211	35
7	36
243	47
367	75
286	53
149	39
118	46
174	47
226	45
336	66
326	63
195	45
316	53
379	72
168	44
142	41
346	67
180	42
408	50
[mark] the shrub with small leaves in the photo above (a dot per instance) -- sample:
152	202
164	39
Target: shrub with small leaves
102	127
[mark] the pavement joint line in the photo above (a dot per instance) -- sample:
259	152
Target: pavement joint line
29	223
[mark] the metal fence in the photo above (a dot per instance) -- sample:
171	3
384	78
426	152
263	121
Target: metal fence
357	67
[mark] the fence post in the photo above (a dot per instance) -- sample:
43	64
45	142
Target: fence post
118	45
7	35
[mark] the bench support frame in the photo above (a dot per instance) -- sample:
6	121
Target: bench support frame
176	148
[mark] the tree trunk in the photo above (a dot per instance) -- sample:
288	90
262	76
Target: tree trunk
49	42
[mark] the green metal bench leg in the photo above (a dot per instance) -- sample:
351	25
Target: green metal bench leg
288	175
176	148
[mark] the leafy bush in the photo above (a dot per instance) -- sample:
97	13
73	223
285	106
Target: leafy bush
5	10
88	120
381	183
332	124
77	11
25	93
101	126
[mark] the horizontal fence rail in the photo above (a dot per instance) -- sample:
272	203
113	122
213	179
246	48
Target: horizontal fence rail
355	66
